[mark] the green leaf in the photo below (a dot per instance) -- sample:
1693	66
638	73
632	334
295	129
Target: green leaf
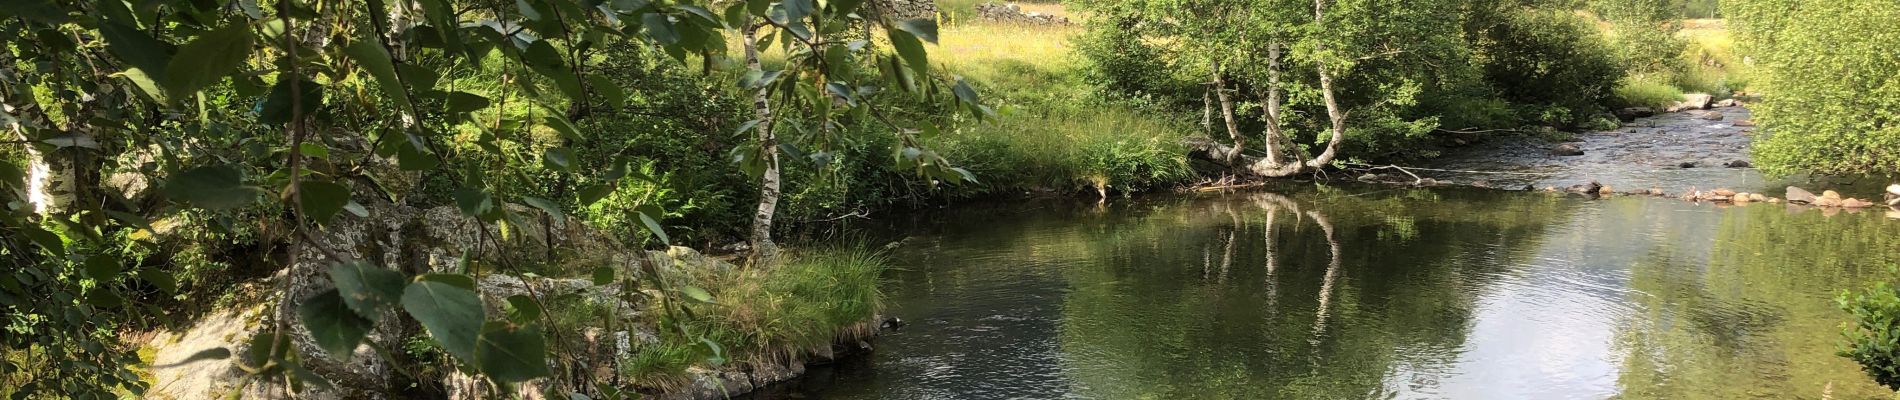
44	238
558	158
207	58
650	217
696	294
605	88
135	47
101	267
104	298
594	193
603	275
276	109
313	150
163	280
373	58
561	124
321	200
553	210
473	202
522	309
923	28
452	315
335	328
457	280
508	354
462	102
215	187
660	28
367	289
911	50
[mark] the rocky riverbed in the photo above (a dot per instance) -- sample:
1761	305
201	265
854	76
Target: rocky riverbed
1672	151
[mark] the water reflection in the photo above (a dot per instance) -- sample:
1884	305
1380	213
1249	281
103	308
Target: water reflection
1347	293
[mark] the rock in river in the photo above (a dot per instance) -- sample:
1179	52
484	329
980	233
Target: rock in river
1566	149
1738	164
1632	113
1799	196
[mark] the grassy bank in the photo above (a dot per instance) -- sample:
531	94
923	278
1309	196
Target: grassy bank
757	316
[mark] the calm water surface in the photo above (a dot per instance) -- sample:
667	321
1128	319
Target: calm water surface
1371	292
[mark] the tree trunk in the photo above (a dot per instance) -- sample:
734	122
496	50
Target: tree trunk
1271	108
1227	114
762	246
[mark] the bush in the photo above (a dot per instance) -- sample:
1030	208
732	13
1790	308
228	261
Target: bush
1873	335
1549	58
674	130
1832	98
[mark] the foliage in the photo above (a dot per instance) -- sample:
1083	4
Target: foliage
1830	98
1549	57
281	117
1873	336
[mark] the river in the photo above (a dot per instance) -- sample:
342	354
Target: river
1345	292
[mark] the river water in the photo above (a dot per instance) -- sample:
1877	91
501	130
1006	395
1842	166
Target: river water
1329	292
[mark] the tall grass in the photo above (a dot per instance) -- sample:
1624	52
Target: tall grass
1646	91
1055	131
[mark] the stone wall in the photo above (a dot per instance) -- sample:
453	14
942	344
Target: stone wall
906	9
1010	13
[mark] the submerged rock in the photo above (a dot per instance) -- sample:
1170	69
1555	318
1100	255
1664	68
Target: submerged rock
1738	164
1686	164
1799	196
1566	149
1709	115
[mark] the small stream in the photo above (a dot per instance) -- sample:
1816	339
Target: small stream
1303	291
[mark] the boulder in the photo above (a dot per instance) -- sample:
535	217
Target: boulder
1727	103
1686	164
1738	164
1742	198
1757	197
1827	202
1632	113
1829	194
1605	190
1709	115
1856	203
1799	196
1893	189
1566	149
1722	192
1743	123
1696	101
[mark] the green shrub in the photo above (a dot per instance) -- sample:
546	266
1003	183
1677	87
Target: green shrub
675	131
1832	98
1873	335
1551	60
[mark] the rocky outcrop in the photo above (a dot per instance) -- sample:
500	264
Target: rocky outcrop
415	241
1013	14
